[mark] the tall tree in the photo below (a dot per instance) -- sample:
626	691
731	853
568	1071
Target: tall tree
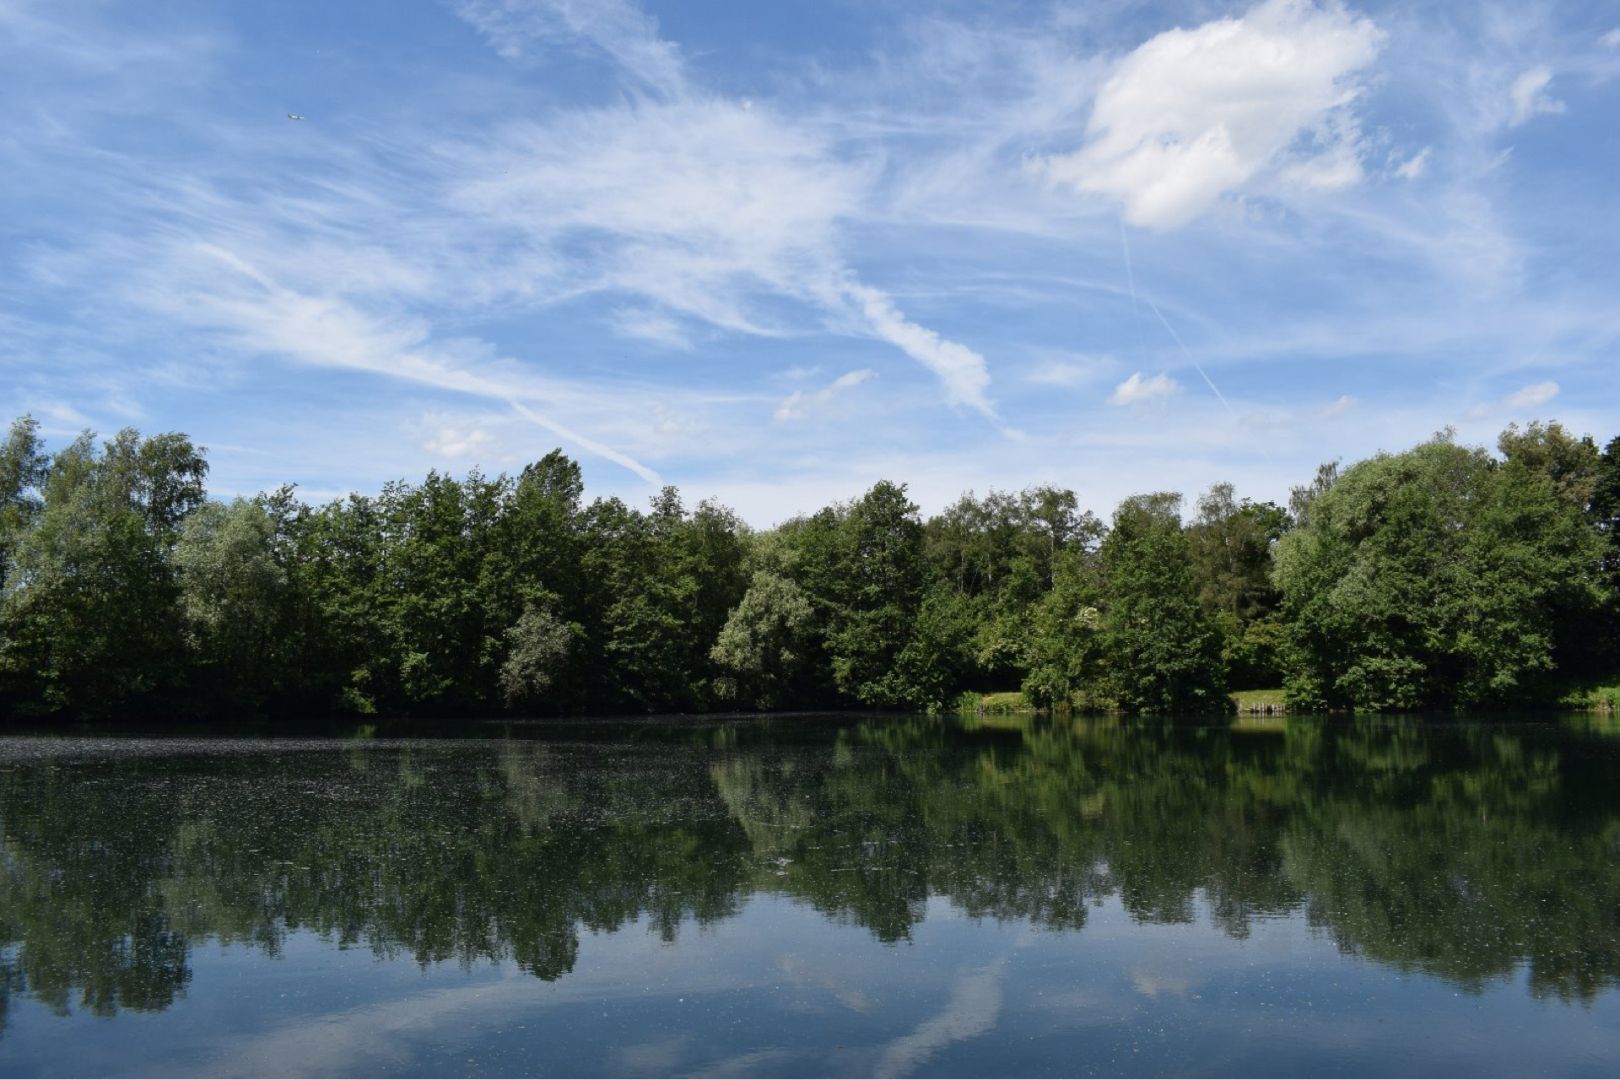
24	466
1432	577
1230	544
91	613
238	605
1161	650
872	580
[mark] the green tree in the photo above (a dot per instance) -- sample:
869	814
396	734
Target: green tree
24	466
237	600
875	590
1063	655
538	645
91	612
1569	463
1432	577
1160	650
1230	544
343	604
767	644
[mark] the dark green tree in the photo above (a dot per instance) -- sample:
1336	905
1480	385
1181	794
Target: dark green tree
237	599
875	590
1161	652
1230	544
1434	577
91	609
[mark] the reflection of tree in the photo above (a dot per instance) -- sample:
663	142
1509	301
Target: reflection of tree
1456	851
81	910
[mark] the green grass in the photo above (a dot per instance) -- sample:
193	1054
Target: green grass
1005	703
1259	701
1593	696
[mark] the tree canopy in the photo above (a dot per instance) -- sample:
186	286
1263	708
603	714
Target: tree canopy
1441	576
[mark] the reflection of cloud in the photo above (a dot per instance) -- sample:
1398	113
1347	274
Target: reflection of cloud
758	1063
973	1010
801	973
1153	983
652	1058
362	1040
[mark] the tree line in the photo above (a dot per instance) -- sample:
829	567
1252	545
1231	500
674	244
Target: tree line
1439	577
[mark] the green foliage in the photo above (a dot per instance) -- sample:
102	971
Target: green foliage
1434	577
767	645
1064	650
1160	651
235	597
870	579
537	650
90	608
24	466
1230	545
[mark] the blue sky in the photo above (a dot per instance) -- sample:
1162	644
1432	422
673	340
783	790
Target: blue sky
772	253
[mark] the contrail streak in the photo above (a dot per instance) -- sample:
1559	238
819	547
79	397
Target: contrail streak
1130	279
589	444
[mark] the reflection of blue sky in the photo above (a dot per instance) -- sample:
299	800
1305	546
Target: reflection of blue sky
772	257
781	989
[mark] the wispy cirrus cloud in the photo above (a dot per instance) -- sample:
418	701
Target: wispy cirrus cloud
1529	97
1530	397
698	197
800	403
622	32
571	229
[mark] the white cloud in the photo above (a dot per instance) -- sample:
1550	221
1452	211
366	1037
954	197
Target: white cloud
698	204
1343	403
1528	397
1069	373
962	371
800	404
1529	96
625	34
1611	40
1532	396
225	293
1415	166
1137	389
456	441
654	326
1194	114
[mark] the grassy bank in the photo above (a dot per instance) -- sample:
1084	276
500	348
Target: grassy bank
1003	703
1601	696
1259	702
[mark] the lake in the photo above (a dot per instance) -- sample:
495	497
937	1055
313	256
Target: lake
818	895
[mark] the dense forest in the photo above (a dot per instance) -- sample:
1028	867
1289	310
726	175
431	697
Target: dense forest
1439	577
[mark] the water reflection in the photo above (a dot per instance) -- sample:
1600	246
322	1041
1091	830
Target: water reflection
1459	851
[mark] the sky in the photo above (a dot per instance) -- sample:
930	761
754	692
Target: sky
774	253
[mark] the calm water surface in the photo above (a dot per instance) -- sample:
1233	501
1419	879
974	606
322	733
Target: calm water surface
814	896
